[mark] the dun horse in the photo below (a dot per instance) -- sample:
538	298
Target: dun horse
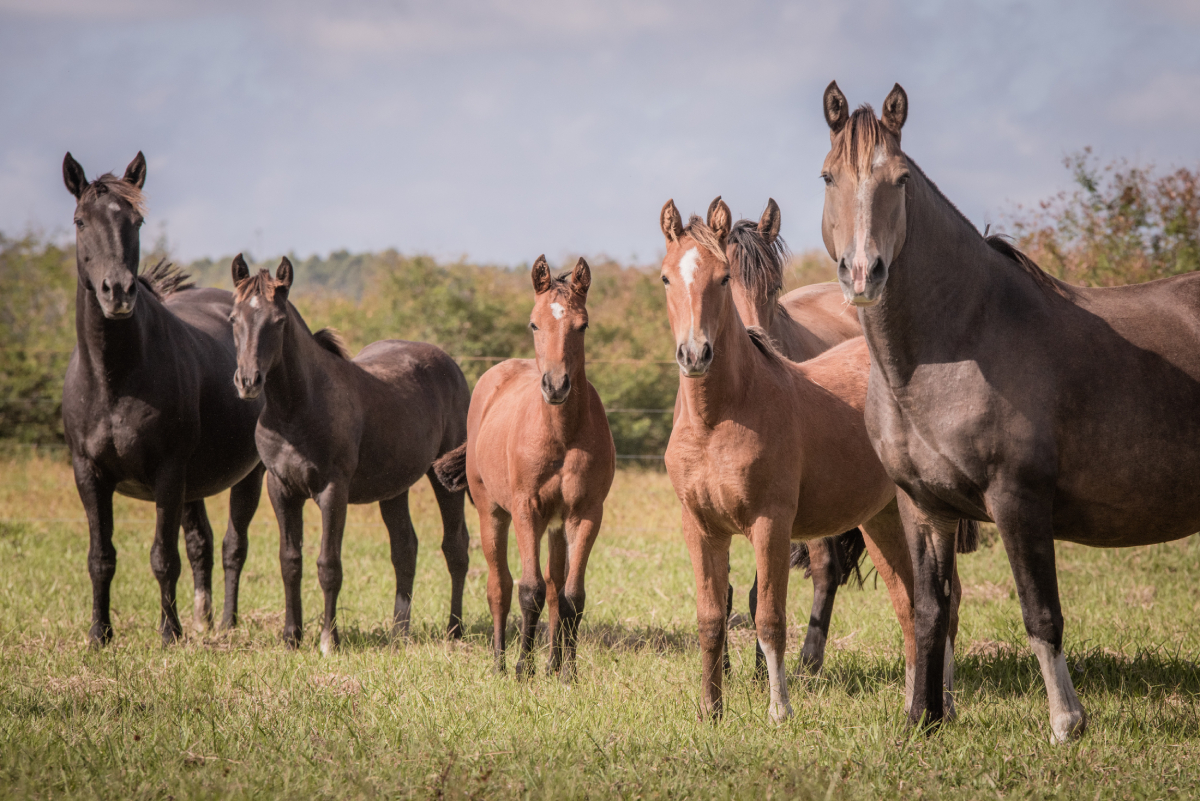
806	322
341	430
769	449
149	410
998	393
539	454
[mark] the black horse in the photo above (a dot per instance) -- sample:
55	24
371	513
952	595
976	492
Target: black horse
149	406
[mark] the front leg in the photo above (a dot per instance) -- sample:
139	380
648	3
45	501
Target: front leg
531	589
710	565
96	495
771	537
289	511
198	540
164	553
570	603
333	502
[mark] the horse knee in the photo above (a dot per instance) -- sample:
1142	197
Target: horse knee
329	574
102	568
570	605
457	557
712	633
532	598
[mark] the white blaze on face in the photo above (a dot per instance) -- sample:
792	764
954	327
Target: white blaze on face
557	310
688	264
114	206
254	302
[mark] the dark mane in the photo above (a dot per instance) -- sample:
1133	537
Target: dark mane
759	265
331	340
762	340
165	279
698	230
1001	244
118	186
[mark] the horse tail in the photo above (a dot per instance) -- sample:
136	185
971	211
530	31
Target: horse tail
850	548
966	538
451	469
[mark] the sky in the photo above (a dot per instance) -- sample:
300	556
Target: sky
499	129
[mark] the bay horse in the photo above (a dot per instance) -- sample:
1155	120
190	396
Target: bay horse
149	409
340	431
999	393
766	448
804	323
539	455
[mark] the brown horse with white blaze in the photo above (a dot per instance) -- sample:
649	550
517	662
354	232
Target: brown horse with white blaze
539	454
769	449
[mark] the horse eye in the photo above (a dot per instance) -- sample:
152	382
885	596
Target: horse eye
725	280
583	327
79	224
665	281
902	180
532	327
827	178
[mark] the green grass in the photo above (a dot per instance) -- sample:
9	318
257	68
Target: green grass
239	715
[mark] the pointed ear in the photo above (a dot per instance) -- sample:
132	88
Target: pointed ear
768	224
241	271
284	273
895	110
581	278
719	218
541	275
135	173
837	110
669	219
73	176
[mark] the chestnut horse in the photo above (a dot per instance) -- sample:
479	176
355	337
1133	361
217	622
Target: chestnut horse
999	393
806	322
766	448
539	454
341	430
149	409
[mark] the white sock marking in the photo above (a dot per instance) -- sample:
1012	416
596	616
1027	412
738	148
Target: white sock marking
1067	718
781	708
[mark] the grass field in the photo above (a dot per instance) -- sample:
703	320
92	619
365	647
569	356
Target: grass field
237	714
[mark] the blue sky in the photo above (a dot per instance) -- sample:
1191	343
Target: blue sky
500	130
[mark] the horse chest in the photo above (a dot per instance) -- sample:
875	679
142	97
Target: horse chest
718	474
296	470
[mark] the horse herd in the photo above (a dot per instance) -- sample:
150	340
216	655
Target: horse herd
944	380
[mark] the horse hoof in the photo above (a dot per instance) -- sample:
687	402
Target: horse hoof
99	636
292	638
454	629
1068	726
780	713
202	616
329	642
950	714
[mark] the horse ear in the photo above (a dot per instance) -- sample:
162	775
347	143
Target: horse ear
135	173
241	271
768	224
837	109
284	273
895	110
719	218
541	275
669	219
73	176
581	278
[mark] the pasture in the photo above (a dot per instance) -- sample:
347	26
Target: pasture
238	714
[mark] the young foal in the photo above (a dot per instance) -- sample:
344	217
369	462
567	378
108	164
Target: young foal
766	448
807	322
345	431
539	454
999	393
148	407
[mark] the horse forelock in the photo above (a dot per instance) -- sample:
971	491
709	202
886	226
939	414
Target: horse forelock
706	237
118	186
261	285
759	265
861	139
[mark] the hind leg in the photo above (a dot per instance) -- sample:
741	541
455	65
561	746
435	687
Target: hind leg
198	540
493	536
826	568
243	503
456	548
404	557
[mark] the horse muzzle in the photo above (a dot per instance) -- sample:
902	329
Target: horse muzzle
862	284
555	392
248	388
694	358
116	300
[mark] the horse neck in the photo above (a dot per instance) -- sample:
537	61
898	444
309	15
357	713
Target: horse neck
707	399
937	286
288	386
110	349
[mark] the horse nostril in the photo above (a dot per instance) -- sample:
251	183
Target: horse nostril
679	354
877	269
105	287
566	385
706	353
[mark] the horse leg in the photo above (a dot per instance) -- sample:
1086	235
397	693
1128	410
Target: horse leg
710	565
826	569
570	604
556	579
931	552
289	511
332	501
164	553
531	589
96	495
772	543
198	541
403	538
243	503
1029	540
493	539
760	659
456	548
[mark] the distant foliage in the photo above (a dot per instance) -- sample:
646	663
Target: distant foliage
1121	224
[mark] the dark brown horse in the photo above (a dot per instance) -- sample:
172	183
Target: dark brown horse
768	449
149	409
539	454
806	322
341	430
998	393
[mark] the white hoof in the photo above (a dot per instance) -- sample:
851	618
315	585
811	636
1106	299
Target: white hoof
1067	727
328	643
779	713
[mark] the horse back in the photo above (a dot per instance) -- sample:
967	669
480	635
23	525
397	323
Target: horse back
816	318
